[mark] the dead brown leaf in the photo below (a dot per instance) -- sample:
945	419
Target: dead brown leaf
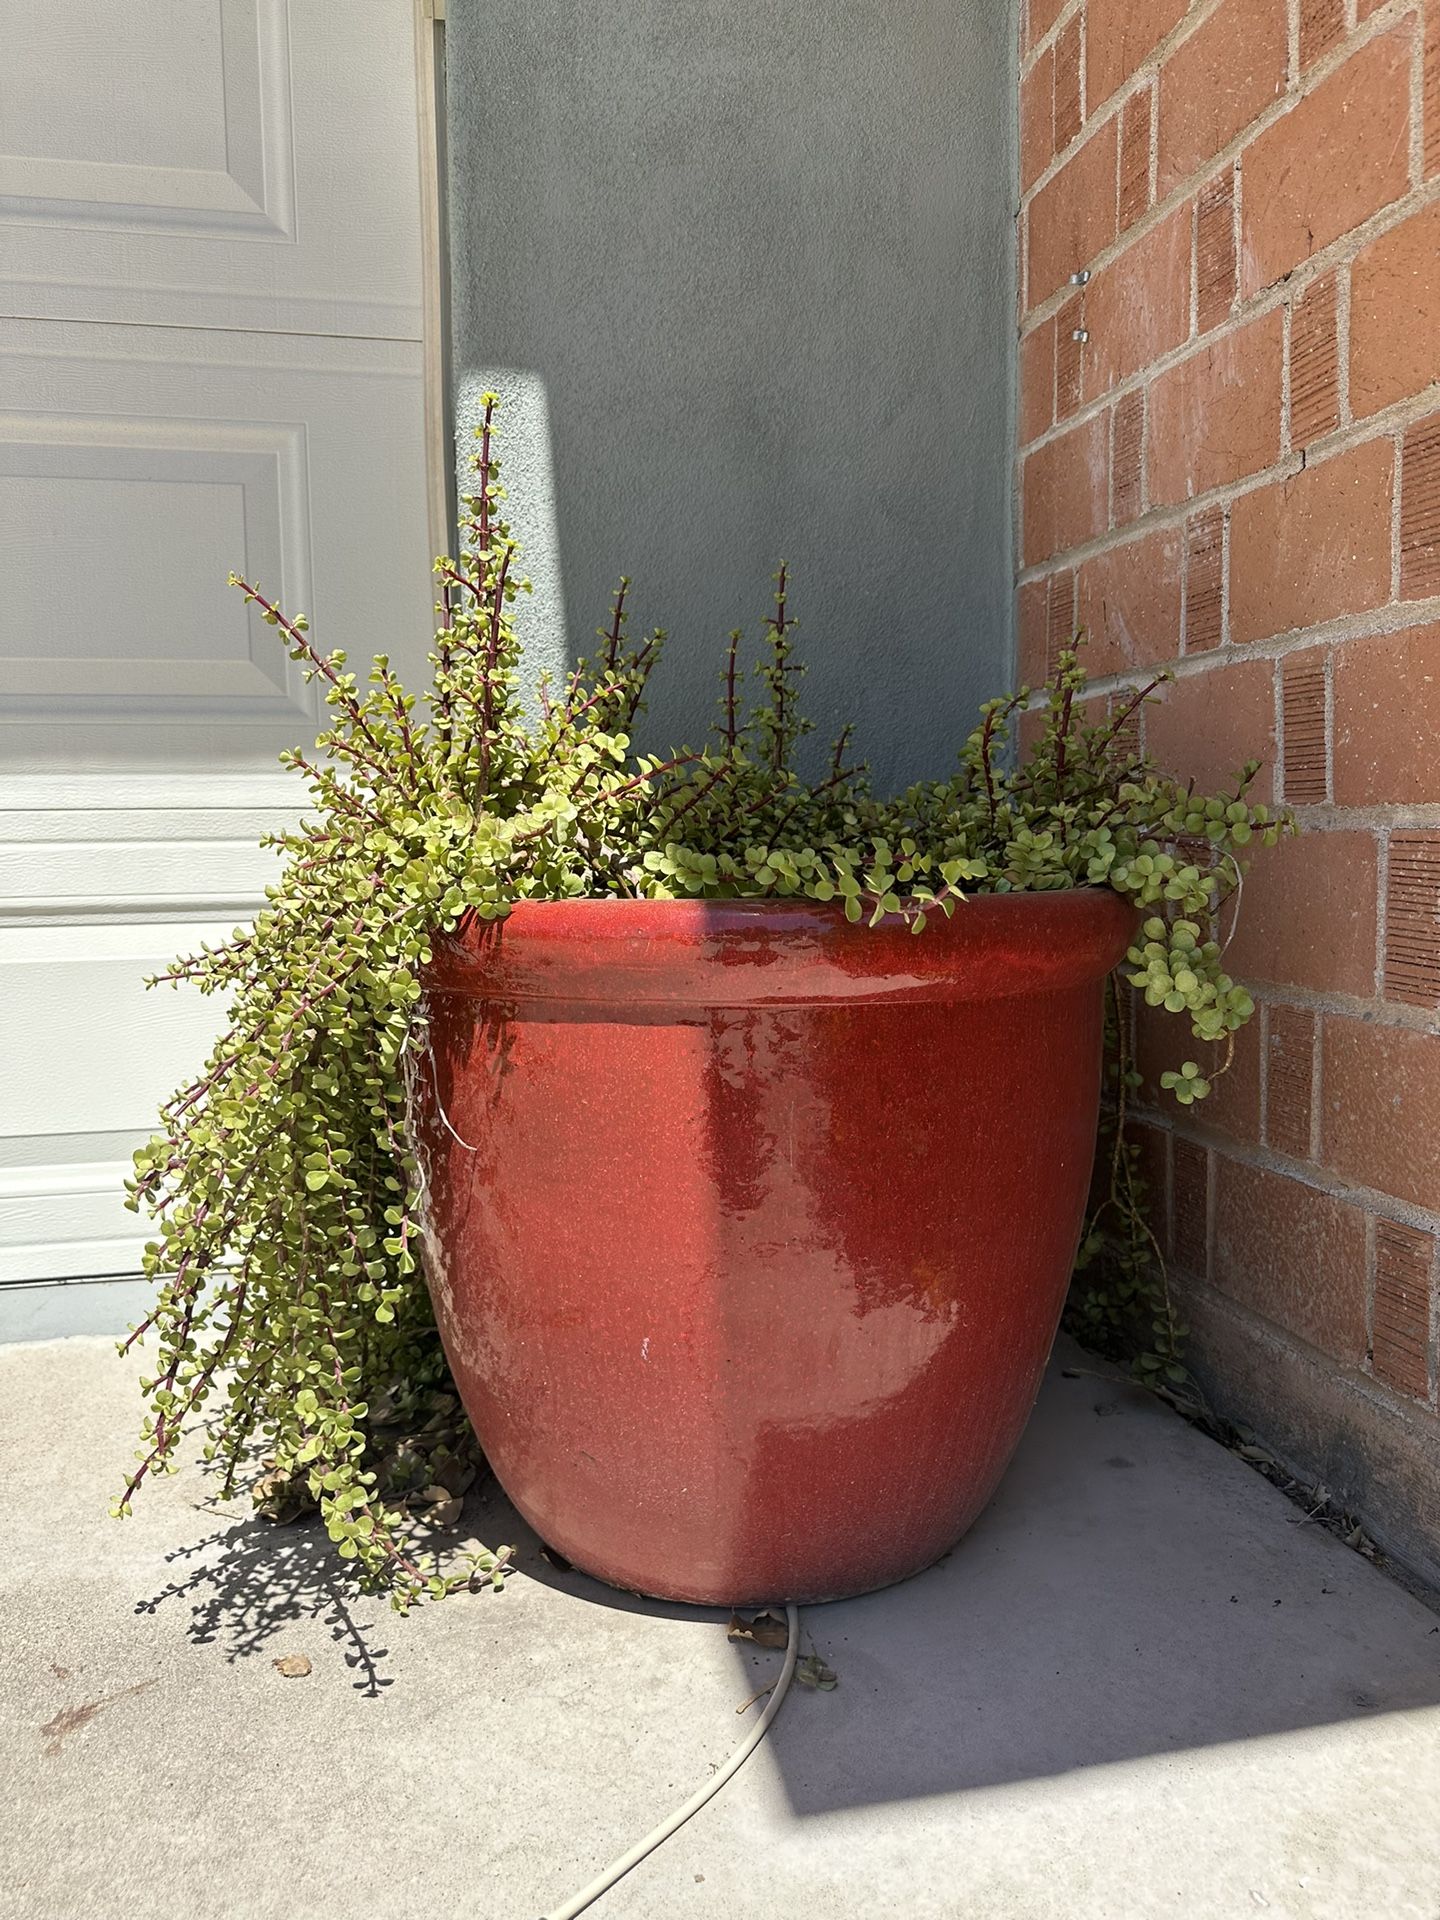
444	1509
281	1499
766	1629
294	1666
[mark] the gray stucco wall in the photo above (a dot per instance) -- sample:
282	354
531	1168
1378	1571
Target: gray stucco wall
743	271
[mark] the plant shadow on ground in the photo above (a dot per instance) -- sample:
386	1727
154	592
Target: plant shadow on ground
1133	1590
248	1582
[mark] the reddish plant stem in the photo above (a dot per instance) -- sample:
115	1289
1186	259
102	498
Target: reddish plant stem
306	1004
1062	734
641	668
330	786
617	626
479	523
723	772
811	793
732	717
779	625
838	756
987	736
614	793
1130	706
350	705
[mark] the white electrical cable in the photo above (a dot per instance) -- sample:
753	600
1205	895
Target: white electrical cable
618	1868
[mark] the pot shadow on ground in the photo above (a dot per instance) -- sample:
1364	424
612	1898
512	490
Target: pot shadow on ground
1133	1590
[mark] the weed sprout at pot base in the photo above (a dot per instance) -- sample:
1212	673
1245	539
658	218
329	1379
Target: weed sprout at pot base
290	1312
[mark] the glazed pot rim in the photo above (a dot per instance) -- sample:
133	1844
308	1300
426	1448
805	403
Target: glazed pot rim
599	951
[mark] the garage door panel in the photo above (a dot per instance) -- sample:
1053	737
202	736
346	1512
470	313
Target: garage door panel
211	253
158	459
205	166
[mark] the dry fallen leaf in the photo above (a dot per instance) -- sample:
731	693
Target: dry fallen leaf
767	1629
280	1499
294	1666
444	1508
811	1671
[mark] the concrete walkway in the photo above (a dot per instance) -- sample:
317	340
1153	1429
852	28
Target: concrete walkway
1141	1686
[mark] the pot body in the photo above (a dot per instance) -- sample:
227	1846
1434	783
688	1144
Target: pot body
748	1230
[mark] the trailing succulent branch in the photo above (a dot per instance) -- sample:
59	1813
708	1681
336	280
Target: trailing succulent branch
290	1318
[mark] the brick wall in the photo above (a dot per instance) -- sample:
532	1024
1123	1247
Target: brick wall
1230	466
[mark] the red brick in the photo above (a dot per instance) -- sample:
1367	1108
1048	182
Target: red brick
1041	16
1204	580
1070	351
1215	250
1129	603
1216	82
1123	716
1231	1110
1046	617
1072	217
1322	26
1411	971
1381	1108
1037	120
1059	619
1430	91
1293	1254
1068	115
1420	510
1216	417
1302	706
1338	157
1207	725
1136	128
1395	313
1289	1078
1127	457
1314	364
1313	546
1190	1206
1030	609
1138	307
1119	36
1387	720
1400	1343
1307	914
1065	490
1152	1176
1037	382
1232	1107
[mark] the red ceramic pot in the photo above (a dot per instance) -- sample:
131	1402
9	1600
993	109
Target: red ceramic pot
749	1230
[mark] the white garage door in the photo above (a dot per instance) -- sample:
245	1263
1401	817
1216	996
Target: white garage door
214	357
